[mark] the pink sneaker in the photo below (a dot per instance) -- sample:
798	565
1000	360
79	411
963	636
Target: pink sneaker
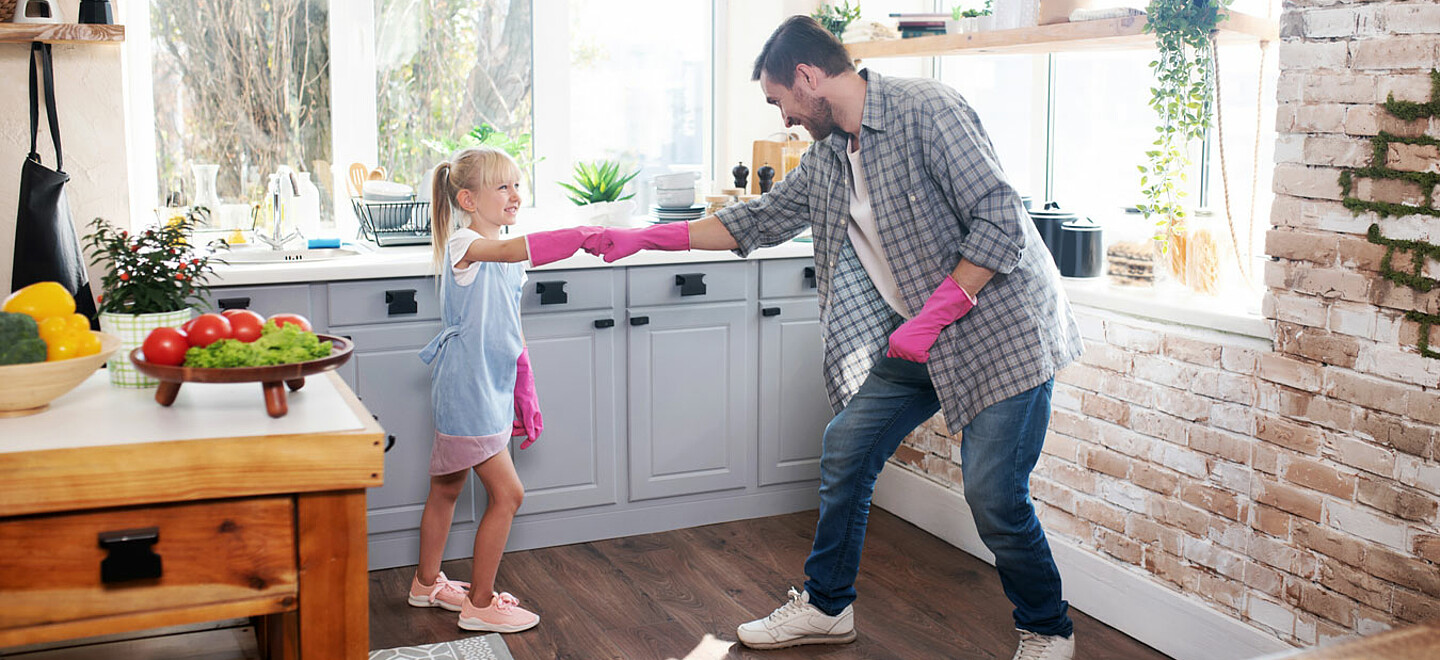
502	615
445	593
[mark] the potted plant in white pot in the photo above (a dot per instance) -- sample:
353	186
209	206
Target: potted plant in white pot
151	278
597	190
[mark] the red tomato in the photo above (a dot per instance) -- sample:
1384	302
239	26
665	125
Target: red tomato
207	329
282	319
165	346
244	324
185	327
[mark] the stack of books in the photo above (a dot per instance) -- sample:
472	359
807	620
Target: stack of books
920	25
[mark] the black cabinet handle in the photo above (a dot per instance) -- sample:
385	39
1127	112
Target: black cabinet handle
769	311
552	293
809	276
130	555
389	443
604	323
401	301
639	320
691	284
243	302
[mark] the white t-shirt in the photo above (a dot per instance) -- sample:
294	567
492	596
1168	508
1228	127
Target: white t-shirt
459	242
865	236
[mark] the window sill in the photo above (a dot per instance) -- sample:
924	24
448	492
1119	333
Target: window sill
1236	313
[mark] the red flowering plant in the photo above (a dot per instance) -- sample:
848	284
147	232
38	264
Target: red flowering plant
148	271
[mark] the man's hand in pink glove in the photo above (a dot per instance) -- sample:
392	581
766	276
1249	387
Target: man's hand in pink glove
617	244
913	339
549	246
527	404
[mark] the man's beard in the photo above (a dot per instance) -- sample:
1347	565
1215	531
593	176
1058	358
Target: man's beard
822	123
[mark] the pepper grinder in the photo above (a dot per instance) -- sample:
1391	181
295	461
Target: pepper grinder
766	175
741	174
96	12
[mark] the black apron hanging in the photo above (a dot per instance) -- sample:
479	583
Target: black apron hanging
46	248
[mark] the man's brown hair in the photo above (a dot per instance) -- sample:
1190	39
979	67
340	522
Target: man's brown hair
800	40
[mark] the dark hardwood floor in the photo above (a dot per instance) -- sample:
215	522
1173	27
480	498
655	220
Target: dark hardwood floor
680	595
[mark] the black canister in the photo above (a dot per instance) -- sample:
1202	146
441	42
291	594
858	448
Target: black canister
1047	222
1081	248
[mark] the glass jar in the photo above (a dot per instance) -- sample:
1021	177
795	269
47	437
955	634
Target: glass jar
1210	264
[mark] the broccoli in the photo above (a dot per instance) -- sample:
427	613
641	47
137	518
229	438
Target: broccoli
20	341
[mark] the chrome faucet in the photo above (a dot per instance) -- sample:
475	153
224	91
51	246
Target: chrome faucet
276	240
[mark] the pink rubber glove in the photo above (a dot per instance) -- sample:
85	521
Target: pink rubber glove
913	339
549	246
620	243
527	404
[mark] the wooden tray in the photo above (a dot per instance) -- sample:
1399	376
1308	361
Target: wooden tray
273	379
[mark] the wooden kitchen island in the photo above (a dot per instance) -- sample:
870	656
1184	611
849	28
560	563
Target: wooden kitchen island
117	514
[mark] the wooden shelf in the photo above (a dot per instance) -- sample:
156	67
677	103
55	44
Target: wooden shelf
61	33
1106	34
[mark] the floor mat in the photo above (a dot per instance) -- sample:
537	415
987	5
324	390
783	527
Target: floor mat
488	647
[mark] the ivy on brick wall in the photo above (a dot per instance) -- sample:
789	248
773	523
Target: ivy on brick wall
1419	251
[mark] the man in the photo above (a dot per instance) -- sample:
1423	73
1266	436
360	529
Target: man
936	293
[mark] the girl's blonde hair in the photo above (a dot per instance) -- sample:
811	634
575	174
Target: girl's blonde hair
472	168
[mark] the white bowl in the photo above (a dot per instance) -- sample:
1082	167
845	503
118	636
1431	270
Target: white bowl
675	197
678	180
386	191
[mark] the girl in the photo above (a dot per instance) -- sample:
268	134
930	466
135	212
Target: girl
482	389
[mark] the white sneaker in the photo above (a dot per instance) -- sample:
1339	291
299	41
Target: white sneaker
1034	646
798	622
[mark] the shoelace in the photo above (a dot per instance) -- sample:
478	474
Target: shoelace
442	583
788	608
504	602
1032	646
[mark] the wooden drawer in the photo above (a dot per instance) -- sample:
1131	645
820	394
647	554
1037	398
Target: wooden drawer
686	283
211	553
787	278
264	300
379	301
568	291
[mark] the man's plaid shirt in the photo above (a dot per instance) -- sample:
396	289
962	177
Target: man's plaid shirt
939	195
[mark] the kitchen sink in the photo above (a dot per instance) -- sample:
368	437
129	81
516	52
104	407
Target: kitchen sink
268	256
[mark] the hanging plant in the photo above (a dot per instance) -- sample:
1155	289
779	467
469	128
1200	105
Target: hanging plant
1184	89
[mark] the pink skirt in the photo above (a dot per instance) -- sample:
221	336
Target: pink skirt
453	453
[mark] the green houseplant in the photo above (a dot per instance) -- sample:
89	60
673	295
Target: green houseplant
835	18
1183	97
151	279
598	182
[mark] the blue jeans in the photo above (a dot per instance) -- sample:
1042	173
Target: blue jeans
998	450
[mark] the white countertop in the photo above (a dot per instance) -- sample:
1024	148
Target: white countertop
414	261
96	414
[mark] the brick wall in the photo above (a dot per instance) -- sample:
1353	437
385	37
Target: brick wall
1293	482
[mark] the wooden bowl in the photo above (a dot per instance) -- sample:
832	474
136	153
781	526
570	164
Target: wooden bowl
273	379
26	389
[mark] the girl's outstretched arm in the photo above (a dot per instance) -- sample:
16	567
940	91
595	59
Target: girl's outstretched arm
509	250
540	247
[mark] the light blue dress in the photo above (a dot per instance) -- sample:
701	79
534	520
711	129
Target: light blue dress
472	382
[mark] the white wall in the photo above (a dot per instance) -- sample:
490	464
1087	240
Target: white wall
88	92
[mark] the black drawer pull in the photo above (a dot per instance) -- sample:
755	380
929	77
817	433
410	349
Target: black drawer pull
131	555
691	284
243	302
770	311
401	301
552	293
389	443
639	320
809	276
604	323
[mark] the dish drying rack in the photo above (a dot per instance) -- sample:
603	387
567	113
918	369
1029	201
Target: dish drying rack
393	223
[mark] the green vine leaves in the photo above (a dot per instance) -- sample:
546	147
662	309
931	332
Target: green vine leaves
1182	98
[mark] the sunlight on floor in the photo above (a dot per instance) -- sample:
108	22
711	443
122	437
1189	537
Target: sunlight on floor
709	648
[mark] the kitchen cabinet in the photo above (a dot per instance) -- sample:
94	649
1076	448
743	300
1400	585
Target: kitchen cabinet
794	407
575	350
669	397
267	300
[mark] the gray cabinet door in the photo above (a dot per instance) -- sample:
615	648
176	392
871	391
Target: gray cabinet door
794	407
692	405
573	464
395	385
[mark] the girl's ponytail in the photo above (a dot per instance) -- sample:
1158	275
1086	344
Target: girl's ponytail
441	197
